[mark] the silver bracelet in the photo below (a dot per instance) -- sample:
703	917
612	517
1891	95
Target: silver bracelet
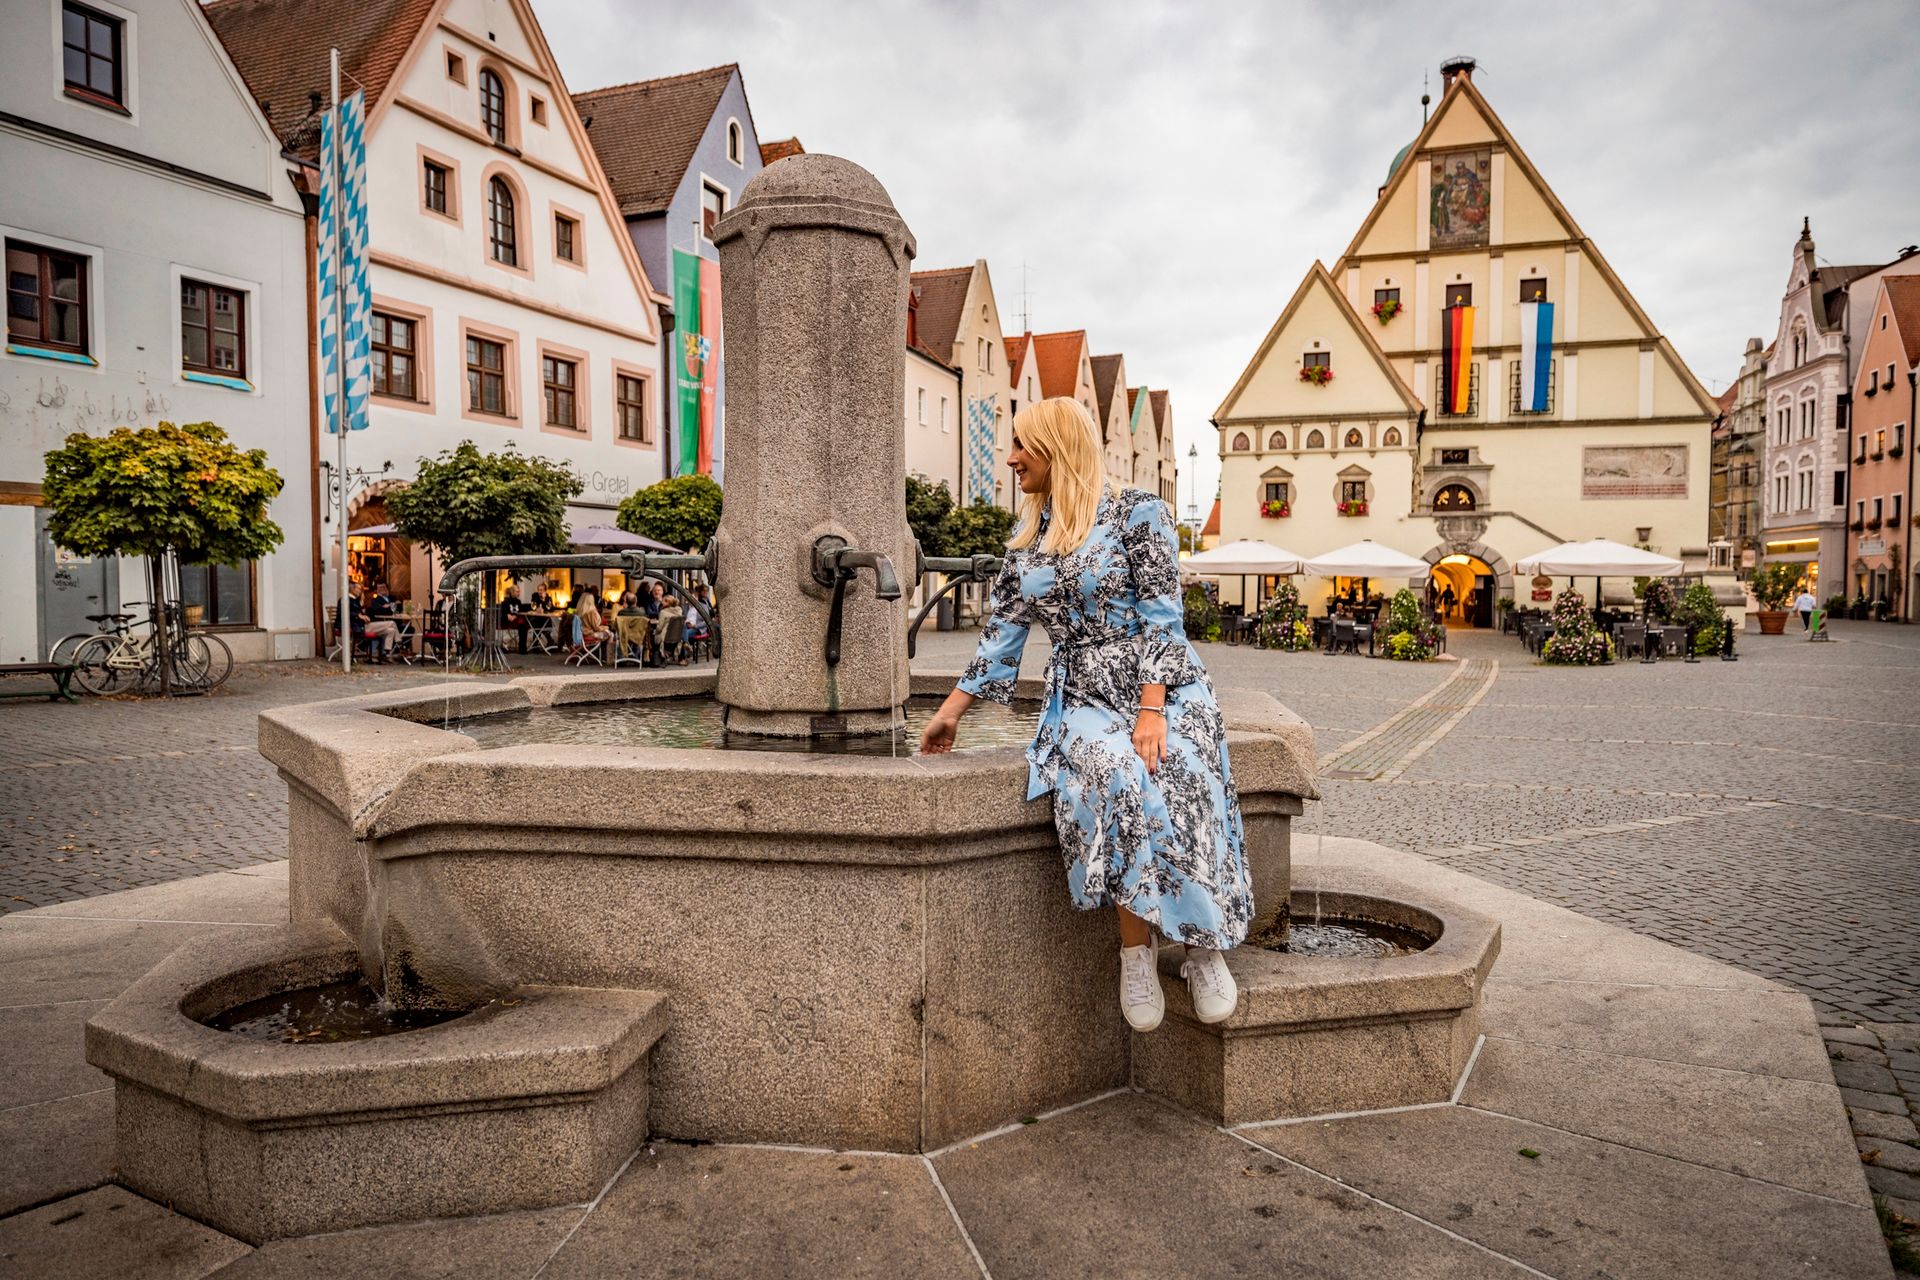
1160	710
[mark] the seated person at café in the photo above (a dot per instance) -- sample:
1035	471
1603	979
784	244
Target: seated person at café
513	614
542	600
381	633
593	628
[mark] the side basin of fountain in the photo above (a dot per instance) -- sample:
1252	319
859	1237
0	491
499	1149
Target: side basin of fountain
1316	1034
535	1100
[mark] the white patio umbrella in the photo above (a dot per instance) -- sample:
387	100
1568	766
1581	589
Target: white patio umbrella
1242	558
612	539
1599	558
1366	559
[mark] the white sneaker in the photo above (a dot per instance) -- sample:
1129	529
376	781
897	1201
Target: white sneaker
1210	983
1140	996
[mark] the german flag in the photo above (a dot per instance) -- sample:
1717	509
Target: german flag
1456	346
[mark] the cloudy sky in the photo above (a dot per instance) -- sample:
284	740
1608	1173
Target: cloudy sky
1168	172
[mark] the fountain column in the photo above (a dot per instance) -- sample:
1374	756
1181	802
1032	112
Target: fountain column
813	267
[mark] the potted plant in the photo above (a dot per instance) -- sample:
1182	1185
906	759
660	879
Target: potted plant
1352	507
1318	374
1774	586
1275	509
1505	607
1386	310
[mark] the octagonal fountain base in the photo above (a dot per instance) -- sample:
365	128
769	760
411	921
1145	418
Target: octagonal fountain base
1316	1035
533	1101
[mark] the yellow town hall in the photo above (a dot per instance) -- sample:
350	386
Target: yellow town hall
1469	384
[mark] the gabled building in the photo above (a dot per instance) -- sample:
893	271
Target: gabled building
1169	485
1739	446
677	152
1065	365
1886	404
1116	426
1542	404
156	271
510	307
1807	404
1023	377
956	316
931	411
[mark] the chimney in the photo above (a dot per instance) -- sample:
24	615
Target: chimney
1459	65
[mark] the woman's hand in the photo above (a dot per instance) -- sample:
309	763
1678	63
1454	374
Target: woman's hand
937	738
1150	737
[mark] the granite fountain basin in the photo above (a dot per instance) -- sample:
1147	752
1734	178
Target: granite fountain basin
1317	1035
862	951
533	1101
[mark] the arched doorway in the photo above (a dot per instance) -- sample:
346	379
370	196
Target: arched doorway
1464	588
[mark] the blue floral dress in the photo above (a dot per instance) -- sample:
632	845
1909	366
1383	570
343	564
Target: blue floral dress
1167	847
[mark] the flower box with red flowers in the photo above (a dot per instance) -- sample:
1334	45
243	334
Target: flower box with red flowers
1386	309
1274	509
1353	508
1318	374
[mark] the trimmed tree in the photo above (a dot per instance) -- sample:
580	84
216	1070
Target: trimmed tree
928	506
465	503
182	491
681	512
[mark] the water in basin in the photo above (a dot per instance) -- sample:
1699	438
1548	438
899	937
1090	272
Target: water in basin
346	1010
1336	937
699	722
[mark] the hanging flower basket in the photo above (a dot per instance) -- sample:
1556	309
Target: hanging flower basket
1318	374
1386	310
1353	508
1274	509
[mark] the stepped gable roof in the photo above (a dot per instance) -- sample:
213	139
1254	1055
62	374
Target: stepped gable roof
1106	372
771	151
942	299
1016	352
1903	295
1058	355
646	132
280	48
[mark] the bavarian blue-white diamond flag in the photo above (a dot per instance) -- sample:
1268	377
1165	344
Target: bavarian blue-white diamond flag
344	298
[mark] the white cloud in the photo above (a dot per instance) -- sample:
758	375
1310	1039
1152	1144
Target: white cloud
1168	172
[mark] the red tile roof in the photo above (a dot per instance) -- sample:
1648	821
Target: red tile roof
1160	409
1058	355
1903	296
1133	393
771	151
646	132
1211	529
1106	372
280	48
942	297
1016	352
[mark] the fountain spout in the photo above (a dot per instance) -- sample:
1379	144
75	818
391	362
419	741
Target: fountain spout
834	564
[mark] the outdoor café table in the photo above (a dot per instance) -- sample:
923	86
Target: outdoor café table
540	630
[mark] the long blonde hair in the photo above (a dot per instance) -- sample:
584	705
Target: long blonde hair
1060	430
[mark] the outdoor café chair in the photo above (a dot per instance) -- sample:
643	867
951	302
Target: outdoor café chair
1631	640
583	652
1343	636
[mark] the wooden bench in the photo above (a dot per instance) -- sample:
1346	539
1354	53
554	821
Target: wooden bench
62	673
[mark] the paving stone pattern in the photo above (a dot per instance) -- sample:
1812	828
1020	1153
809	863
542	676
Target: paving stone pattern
1877	1066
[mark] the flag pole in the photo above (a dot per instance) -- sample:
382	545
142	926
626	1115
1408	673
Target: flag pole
344	625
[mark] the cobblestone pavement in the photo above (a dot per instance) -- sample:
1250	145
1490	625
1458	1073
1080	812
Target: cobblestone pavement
1763	812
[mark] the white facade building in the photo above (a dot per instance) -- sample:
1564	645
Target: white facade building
144	191
510	307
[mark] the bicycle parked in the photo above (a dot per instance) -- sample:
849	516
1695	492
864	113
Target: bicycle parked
127	660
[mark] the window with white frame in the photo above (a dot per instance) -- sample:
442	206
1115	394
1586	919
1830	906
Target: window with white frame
1806	489
736	143
713	207
945	425
921	394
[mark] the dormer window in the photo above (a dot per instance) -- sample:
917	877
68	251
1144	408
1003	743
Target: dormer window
493	106
93	50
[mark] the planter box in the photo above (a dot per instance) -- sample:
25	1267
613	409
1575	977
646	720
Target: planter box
1773	622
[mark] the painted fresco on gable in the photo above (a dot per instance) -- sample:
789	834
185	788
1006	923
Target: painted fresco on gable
1461	197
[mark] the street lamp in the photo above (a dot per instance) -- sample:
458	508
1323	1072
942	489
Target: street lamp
1193	495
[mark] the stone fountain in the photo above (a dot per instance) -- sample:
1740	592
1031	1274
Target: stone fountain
850	951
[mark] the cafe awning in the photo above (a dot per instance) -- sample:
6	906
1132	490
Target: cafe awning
1242	556
1599	558
606	537
1366	559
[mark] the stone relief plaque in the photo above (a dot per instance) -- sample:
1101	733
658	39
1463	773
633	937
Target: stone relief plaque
1634	471
1461	199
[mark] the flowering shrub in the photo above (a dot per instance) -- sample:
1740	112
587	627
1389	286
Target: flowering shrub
1410	637
1576	641
1352	508
1387	309
1318	374
1698	609
1202	615
1275	509
1660	600
1283	624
